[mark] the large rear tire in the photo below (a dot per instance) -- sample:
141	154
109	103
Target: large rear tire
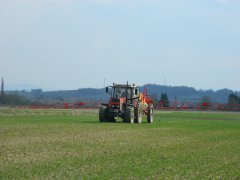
150	115
129	116
102	114
138	114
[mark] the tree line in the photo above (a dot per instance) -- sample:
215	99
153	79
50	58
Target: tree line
16	98
12	99
233	99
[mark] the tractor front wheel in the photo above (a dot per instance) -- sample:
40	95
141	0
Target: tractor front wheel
111	119
129	116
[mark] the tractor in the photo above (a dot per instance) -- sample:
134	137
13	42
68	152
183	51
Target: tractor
128	103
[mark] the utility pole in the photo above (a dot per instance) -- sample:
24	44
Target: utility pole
2	91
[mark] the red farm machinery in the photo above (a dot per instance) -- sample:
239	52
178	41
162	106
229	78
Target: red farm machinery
128	103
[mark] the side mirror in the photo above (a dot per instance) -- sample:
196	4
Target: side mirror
136	91
106	89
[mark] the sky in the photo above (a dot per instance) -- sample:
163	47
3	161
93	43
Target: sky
71	44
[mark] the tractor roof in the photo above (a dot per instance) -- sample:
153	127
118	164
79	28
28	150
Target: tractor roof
124	85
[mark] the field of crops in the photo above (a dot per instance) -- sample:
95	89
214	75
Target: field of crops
72	144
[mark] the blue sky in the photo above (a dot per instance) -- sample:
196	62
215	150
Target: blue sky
71	44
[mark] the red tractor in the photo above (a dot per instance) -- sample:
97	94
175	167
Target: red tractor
127	103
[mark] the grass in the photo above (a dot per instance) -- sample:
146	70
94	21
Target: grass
72	144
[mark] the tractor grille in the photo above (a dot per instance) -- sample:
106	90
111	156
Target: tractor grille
115	103
116	100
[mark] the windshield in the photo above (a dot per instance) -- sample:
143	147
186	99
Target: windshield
119	92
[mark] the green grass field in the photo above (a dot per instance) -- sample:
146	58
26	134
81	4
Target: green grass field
72	144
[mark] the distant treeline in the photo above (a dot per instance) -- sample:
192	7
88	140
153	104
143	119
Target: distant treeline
13	99
181	94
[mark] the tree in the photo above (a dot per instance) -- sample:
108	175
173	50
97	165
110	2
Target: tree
233	99
2	92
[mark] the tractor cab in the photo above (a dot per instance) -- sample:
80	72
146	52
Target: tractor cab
123	91
121	97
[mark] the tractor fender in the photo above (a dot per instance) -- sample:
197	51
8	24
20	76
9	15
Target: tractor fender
104	104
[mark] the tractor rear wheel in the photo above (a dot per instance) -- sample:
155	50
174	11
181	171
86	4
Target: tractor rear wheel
150	115
138	114
102	114
129	116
